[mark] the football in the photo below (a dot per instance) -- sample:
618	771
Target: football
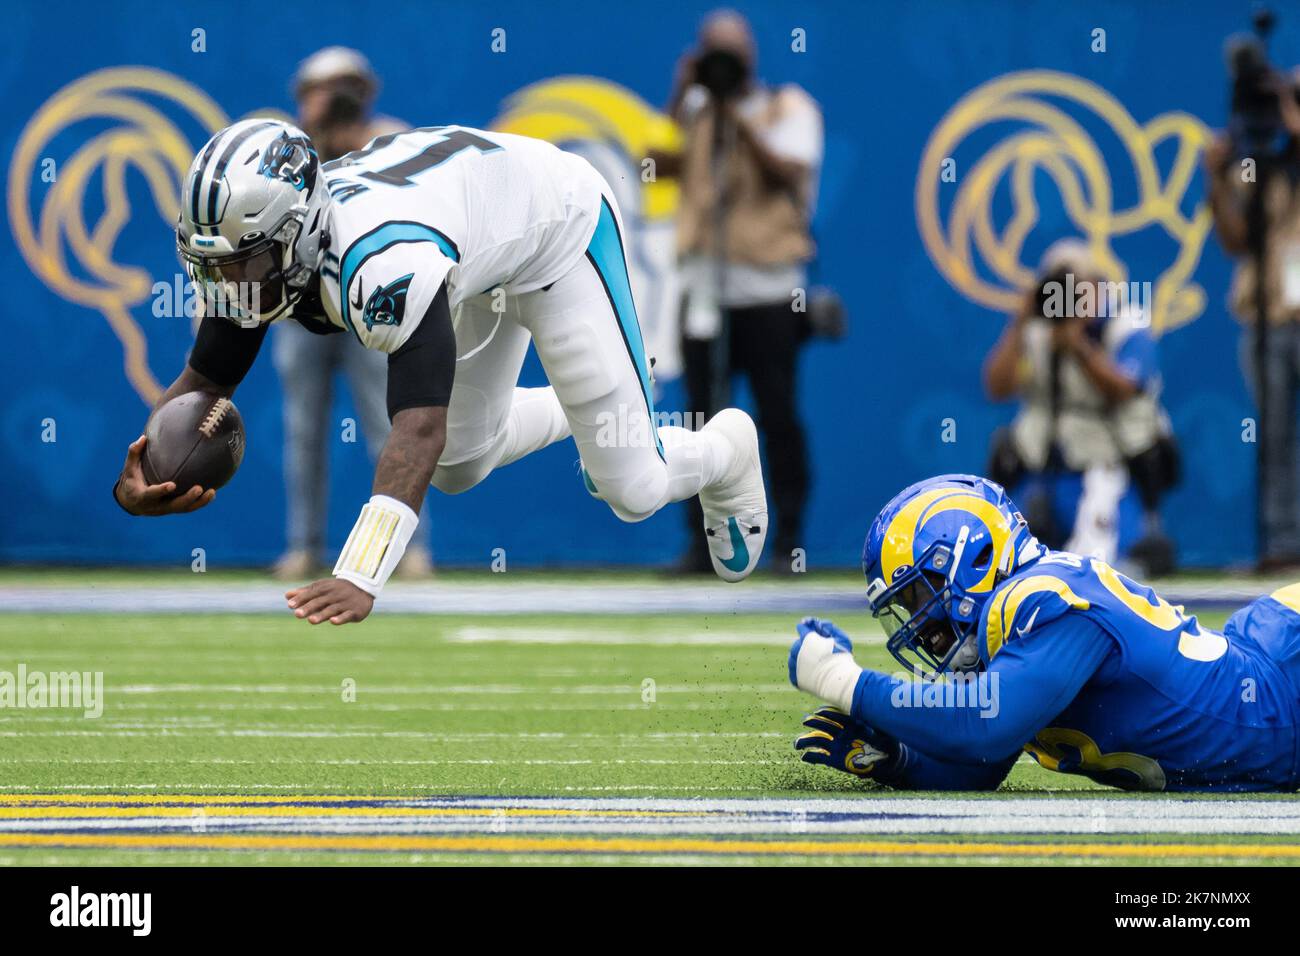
194	439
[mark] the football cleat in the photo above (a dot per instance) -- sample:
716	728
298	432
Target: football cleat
735	506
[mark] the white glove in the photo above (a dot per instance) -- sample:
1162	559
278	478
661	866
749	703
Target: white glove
821	663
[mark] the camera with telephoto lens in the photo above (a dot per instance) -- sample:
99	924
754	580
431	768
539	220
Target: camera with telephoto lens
1255	125
722	73
1057	281
347	105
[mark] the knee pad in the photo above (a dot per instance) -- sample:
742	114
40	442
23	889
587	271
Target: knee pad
634	499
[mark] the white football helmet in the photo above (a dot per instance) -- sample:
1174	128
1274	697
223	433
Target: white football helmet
251	229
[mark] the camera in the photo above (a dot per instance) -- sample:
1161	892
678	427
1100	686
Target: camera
1060	284
347	105
1255	120
722	73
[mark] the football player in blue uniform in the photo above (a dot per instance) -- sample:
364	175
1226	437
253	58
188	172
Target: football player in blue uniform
1020	648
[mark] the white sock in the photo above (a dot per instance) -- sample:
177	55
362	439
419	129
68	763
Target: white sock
695	460
536	420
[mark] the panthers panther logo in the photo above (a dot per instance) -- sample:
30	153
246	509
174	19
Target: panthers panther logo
291	158
387	304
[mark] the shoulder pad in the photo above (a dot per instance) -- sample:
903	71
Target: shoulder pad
388	291
1024	604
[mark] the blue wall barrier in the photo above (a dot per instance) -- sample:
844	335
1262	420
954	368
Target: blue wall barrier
1017	95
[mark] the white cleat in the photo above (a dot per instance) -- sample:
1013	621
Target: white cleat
735	507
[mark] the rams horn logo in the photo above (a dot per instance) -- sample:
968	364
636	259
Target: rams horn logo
1050	116
614	129
147	110
387	304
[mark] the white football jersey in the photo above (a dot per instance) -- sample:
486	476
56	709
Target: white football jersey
479	210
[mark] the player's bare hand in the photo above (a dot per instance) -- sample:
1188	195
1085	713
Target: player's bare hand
139	497
331	599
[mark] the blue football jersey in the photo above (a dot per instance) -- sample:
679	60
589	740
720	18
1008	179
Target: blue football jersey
1173	705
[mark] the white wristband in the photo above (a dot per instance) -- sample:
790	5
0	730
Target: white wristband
838	681
377	542
826	674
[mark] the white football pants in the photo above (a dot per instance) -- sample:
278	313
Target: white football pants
587	336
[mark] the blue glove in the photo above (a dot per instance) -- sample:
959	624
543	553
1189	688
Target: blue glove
834	739
825	629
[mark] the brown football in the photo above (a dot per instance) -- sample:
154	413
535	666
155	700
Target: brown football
194	439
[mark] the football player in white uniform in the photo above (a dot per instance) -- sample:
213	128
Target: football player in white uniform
450	249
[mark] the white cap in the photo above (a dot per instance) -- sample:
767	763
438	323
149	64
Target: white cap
1073	255
332	63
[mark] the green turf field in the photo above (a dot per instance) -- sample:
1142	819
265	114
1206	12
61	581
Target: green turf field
196	702
650	706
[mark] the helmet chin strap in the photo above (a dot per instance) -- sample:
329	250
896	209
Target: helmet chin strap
295	277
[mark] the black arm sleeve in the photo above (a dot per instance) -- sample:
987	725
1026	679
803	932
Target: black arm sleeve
421	372
223	351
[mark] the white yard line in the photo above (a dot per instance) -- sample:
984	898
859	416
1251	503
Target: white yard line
508	634
502	593
576	738
292	734
506	594
436	689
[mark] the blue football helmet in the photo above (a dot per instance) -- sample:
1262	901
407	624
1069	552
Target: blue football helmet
932	557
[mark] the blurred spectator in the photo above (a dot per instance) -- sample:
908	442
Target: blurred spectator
1089	452
748	168
1276	359
335	88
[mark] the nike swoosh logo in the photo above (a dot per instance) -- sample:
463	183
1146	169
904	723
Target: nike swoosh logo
1022	631
739	559
360	299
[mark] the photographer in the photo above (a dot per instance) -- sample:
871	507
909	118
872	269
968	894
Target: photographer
1254	185
1089	452
748	169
